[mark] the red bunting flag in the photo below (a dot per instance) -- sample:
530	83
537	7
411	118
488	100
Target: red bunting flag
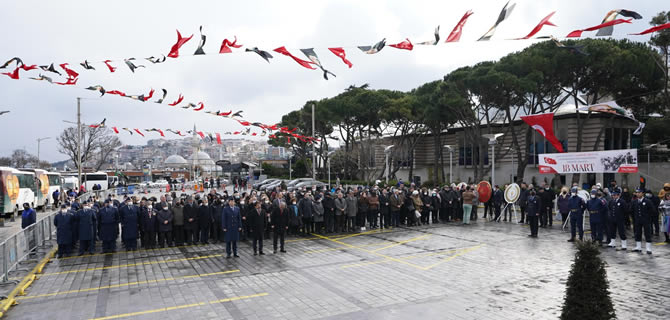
14	74
161	132
202	135
70	73
543	22
405	45
69	82
226	45
151	94
115	130
202	106
174	52
178	101
218	138
544	124
139	132
340	53
116	92
455	34
111	69
304	63
653	29
28	67
578	33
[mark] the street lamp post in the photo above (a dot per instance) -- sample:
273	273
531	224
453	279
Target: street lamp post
290	171
313	147
38	149
511	176
387	153
451	154
328	156
79	141
649	147
493	141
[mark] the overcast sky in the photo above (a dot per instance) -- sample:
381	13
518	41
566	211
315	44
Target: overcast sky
41	32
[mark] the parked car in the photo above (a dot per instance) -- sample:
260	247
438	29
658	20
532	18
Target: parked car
264	182
293	182
160	183
272	185
311	184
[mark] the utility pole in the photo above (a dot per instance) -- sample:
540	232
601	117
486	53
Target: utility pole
38	149
79	141
313	146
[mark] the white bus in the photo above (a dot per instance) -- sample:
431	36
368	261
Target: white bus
92	178
27	188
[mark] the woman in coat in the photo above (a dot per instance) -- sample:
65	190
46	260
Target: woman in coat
418	205
294	220
352	211
232	226
564	204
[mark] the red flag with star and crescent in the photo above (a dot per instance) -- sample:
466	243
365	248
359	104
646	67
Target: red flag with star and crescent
544	124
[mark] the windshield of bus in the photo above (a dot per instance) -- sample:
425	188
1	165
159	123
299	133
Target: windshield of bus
26	180
54	180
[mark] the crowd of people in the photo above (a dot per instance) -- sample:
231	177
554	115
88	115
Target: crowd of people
212	217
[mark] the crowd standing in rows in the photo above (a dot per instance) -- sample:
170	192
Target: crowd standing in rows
215	217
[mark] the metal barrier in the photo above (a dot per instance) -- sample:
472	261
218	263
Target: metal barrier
20	245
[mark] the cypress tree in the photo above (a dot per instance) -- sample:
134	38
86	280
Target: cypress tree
587	295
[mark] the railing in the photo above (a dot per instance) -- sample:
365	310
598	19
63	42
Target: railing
20	245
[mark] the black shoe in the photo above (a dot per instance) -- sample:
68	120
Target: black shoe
255	253
236	256
571	240
228	257
530	235
262	253
274	251
283	251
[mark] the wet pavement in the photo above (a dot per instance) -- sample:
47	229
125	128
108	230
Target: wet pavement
487	270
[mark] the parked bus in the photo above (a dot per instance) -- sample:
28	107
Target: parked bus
27	188
92	178
9	191
46	184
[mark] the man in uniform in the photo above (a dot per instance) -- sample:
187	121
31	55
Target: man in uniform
576	205
64	222
86	224
597	209
615	221
232	226
129	217
108	226
642	211
533	208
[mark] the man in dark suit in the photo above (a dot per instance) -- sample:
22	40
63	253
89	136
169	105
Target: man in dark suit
498	199
191	222
232	226
257	221
279	219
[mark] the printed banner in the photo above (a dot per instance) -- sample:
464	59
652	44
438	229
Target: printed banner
612	161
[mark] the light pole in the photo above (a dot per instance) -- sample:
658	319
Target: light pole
649	156
387	153
451	154
511	176
290	169
328	156
492	141
38	149
78	139
313	147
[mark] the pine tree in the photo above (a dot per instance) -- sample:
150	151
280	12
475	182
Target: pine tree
587	294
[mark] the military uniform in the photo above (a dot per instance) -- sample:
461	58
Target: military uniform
616	221
597	210
533	208
576	205
642	211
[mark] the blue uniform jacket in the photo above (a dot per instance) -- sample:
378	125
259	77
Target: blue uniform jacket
232	221
534	204
597	209
86	223
577	206
108	224
28	217
130	217
642	210
64	223
617	210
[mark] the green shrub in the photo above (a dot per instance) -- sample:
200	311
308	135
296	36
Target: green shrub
587	295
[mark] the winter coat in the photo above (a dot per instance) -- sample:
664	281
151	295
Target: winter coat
28	217
129	217
563	204
148	219
164	219
108	224
305	208
280	219
232	223
257	221
340	206
64	223
190	212
318	210
178	215
352	206
86	223
205	216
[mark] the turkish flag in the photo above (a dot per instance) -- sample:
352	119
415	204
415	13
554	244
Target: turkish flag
544	124
218	138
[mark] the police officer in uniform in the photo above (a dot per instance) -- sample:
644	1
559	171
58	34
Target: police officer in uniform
533	212
642	211
64	222
108	226
597	209
130	217
85	225
616	221
576	205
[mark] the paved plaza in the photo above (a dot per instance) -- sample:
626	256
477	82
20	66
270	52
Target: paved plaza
487	270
